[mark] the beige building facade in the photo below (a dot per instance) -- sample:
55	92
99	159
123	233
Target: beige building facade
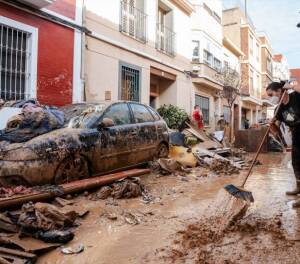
138	50
240	30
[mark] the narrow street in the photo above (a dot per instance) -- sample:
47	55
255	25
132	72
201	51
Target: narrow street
181	203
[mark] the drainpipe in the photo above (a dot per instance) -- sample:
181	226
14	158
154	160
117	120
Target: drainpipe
83	45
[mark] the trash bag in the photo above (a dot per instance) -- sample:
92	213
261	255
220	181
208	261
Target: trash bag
55	236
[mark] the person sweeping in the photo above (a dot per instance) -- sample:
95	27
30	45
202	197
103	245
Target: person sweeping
289	113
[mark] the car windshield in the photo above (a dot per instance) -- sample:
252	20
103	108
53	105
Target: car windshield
88	117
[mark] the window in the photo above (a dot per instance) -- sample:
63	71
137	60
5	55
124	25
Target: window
18	60
226	110
257	86
251	44
141	114
257	52
129	83
196	47
269	65
203	102
208	58
119	113
217	64
251	82
165	36
133	20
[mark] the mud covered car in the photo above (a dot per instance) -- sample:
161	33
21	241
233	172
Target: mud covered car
98	138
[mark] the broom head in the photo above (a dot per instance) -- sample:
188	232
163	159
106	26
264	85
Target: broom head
239	193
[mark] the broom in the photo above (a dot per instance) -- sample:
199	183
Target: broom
240	192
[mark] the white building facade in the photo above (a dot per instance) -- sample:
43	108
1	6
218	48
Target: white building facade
281	71
207	58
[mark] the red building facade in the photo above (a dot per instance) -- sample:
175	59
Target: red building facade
38	54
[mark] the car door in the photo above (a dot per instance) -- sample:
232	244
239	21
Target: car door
146	132
117	146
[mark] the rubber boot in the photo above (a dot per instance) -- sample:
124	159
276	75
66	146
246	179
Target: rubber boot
296	204
296	190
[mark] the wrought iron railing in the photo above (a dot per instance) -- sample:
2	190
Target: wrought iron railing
165	39
133	22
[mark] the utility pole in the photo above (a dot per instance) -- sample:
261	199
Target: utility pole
245	3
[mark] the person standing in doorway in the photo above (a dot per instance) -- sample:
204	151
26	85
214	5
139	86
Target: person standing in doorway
289	113
198	117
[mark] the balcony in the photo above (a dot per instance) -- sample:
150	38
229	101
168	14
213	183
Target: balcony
205	75
133	22
165	40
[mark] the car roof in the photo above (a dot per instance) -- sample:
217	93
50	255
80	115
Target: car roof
77	109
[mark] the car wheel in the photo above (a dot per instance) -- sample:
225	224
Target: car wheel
162	151
72	169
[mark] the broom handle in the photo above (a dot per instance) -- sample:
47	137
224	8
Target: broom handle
263	140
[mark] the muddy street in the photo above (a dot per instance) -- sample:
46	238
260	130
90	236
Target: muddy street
131	231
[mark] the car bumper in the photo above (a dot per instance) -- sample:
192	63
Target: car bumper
34	172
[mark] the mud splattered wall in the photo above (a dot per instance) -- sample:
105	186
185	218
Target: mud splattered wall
55	53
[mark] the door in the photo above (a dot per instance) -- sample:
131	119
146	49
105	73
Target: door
118	142
147	134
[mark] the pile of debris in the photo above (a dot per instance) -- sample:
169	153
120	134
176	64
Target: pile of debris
24	120
126	188
220	166
192	147
38	227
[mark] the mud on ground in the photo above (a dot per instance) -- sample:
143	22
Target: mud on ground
179	224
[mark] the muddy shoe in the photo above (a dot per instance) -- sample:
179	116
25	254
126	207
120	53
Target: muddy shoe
295	191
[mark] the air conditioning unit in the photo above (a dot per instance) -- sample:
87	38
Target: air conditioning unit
38	3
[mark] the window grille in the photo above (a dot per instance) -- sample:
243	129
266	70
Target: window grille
14	54
130	84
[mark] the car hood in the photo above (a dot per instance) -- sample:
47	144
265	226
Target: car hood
58	141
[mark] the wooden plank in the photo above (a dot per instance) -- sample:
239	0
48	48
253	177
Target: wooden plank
3	261
18	253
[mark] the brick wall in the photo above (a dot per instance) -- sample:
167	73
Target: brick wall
55	55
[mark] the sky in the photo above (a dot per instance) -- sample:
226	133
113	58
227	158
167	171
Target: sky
278	19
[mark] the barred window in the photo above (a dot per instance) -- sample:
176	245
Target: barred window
14	54
130	83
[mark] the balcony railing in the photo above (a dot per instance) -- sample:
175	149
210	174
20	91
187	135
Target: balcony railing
133	21
165	40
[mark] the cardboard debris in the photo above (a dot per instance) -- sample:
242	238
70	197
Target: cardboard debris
7	253
28	244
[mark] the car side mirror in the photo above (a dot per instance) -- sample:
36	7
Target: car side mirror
105	123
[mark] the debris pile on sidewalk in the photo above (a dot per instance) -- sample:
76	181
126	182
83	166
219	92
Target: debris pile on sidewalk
29	119
42	226
192	147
